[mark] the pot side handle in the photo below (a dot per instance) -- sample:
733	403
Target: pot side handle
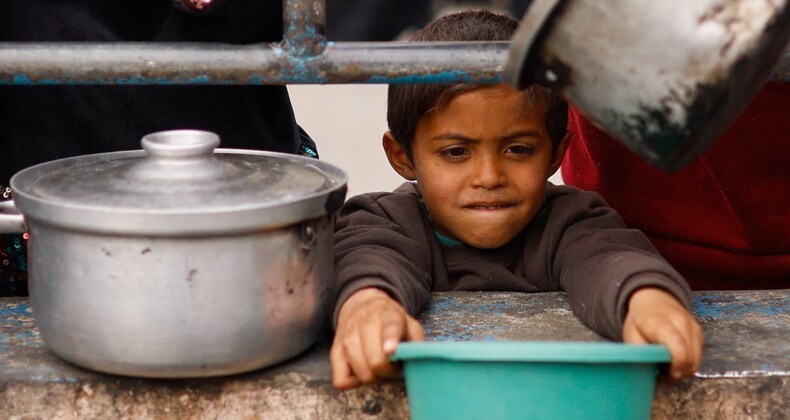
335	199
11	220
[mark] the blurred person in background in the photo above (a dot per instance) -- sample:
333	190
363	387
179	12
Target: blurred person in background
387	20
723	221
47	122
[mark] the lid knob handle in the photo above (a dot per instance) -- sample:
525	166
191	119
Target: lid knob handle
180	144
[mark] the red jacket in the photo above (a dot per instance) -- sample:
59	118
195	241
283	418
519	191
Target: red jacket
724	220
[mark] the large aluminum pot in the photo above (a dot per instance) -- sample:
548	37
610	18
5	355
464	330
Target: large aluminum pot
665	77
180	260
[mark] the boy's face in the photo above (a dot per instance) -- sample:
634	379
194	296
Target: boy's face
481	163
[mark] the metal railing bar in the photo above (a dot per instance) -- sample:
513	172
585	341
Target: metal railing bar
194	63
260	64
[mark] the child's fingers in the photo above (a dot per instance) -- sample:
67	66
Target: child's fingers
696	342
698	345
397	326
654	316
369	329
376	338
408	329
342	376
691	331
663	330
392	333
660	329
414	331
632	335
355	356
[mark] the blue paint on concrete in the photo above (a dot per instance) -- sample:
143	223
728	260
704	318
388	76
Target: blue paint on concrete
722	307
19	320
440	305
16	315
466	337
21	310
461	330
452	337
27	336
461	337
57	379
43	372
496	307
22	338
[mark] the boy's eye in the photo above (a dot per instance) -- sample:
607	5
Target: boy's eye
520	150
455	152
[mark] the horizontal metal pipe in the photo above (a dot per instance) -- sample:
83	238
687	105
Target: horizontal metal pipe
260	64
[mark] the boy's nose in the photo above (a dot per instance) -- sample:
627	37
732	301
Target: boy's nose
488	173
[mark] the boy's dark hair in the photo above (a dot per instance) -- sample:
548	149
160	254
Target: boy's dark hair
407	104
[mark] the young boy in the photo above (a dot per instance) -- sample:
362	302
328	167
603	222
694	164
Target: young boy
482	216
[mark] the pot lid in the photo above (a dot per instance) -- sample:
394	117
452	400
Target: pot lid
179	184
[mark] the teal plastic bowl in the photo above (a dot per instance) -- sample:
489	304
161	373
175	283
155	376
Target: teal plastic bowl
530	380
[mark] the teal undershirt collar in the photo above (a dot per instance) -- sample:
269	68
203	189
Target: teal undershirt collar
443	239
447	241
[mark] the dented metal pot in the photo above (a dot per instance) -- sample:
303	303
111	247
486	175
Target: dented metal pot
663	77
180	260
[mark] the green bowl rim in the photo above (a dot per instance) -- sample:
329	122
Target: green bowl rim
531	351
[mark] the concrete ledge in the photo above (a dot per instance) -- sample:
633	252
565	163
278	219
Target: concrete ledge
745	373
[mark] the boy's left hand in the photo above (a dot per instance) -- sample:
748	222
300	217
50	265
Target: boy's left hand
655	316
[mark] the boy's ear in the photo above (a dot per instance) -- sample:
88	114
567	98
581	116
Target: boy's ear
396	154
559	153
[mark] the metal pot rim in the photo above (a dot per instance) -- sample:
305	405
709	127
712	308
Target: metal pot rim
241	214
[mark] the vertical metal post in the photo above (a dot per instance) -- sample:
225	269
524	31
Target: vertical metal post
304	27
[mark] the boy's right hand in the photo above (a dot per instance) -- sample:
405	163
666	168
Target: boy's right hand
370	325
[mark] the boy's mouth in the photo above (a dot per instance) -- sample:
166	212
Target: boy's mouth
488	206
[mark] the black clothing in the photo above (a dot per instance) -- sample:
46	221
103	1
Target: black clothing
384	20
43	123
374	20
